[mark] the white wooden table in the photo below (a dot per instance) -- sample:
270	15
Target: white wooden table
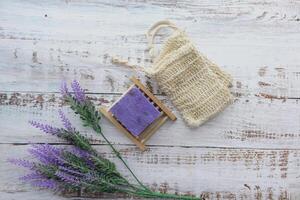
250	151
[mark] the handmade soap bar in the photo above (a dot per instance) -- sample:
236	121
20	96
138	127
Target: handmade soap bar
135	111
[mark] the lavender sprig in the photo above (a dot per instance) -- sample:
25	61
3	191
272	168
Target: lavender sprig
68	178
69	133
66	122
45	128
46	183
21	163
32	176
78	91
64	89
46	154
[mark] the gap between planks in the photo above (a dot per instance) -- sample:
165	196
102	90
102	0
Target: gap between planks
160	146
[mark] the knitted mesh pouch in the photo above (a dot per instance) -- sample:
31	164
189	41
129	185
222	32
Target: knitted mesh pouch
197	87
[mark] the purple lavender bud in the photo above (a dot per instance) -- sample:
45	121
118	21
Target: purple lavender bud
78	91
47	154
48	149
45	128
46	183
40	156
82	154
21	163
72	180
32	176
70	171
66	122
79	152
64	89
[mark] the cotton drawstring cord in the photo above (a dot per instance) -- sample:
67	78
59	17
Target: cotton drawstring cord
150	37
153	31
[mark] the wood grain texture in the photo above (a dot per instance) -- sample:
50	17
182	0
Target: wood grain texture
249	122
209	172
249	151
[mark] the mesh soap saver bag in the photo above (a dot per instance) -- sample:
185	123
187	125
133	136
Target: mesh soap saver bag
197	87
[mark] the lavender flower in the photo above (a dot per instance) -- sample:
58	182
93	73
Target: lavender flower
22	163
39	180
83	155
45	128
32	176
78	91
46	154
45	183
70	179
79	152
41	157
71	171
64	89
66	122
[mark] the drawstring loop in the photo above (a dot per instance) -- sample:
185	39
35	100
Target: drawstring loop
153	31
150	37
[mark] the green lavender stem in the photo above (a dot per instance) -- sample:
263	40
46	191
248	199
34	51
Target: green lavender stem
97	128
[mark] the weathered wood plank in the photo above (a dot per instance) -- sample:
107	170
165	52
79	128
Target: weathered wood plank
210	172
249	122
257	76
36	56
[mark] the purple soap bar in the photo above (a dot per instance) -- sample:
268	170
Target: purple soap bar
135	111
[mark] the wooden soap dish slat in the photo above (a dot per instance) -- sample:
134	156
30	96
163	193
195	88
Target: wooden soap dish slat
154	99
110	117
150	130
153	128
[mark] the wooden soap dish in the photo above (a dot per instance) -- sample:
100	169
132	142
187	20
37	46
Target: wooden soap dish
162	113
